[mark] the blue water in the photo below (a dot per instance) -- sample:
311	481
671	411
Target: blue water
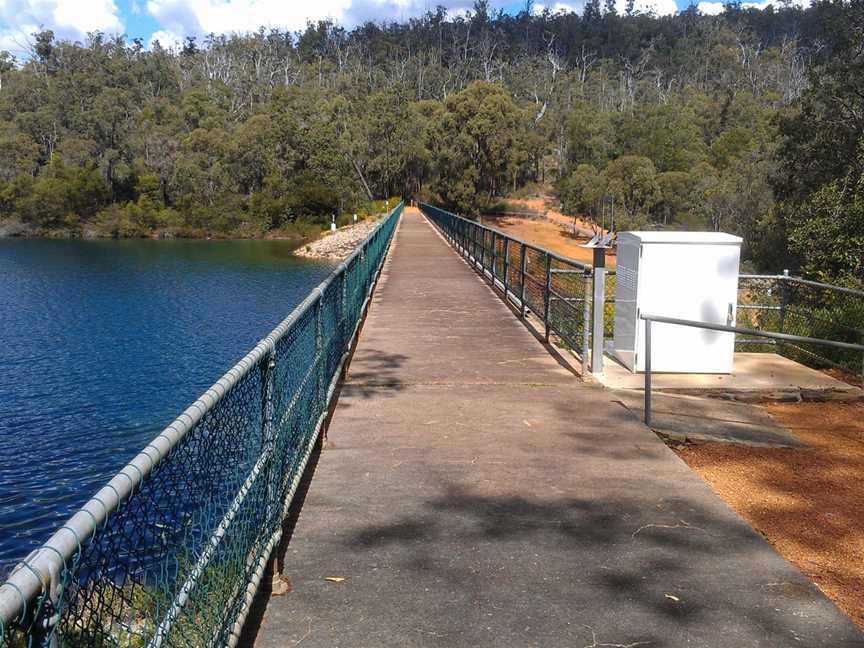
103	343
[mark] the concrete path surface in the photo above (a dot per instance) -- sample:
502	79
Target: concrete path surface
708	420
476	494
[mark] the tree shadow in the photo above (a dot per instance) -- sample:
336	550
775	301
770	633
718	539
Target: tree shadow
276	564
374	373
678	564
807	501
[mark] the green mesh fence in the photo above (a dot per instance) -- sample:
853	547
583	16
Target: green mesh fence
555	289
171	551
796	306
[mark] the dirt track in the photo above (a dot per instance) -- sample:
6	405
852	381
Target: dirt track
549	229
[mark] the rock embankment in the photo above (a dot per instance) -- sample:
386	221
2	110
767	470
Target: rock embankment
338	244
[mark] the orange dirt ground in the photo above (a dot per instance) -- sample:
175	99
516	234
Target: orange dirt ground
808	503
550	229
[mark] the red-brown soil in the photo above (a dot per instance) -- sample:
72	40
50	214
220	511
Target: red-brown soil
808	502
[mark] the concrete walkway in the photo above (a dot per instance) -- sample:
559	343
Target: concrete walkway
477	494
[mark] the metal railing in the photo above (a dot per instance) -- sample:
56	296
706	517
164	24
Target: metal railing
172	550
738	330
553	287
787	304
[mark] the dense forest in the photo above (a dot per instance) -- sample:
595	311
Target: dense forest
751	121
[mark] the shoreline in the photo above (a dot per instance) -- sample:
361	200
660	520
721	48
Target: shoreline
339	244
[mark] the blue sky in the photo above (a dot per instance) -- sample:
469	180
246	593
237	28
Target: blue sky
170	21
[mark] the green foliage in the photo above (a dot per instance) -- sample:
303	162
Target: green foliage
667	122
826	233
591	136
667	134
677	192
632	181
582	191
821	184
476	145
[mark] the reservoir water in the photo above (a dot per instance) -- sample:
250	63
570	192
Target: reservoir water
103	343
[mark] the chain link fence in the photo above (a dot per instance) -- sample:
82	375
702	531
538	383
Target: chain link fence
558	290
171	551
785	304
555	289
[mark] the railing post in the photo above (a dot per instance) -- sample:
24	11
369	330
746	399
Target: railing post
784	302
474	230
463	226
346	325
647	372
506	266
523	259
319	344
268	387
599	302
43	631
548	296
586	321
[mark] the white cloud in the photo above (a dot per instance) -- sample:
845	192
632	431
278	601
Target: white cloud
803	4
559	7
711	8
716	8
198	17
188	17
71	19
168	40
657	7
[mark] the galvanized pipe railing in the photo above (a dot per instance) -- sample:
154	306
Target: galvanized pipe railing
553	287
266	414
790	304
650	319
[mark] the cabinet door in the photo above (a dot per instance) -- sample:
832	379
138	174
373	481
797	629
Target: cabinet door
693	282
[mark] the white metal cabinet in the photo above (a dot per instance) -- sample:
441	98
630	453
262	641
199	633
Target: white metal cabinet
687	275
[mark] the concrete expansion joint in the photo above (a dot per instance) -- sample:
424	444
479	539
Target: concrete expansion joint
449	383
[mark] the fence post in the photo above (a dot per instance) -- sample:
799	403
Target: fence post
268	439
319	347
482	251
474	230
647	372
43	631
784	303
523	258
599	302
548	296
506	266
267	415
473	245
346	324
586	321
